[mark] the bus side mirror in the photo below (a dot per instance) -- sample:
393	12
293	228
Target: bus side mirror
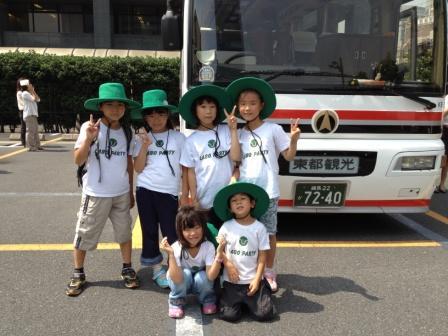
171	32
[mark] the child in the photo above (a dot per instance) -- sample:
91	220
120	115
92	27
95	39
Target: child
193	266
156	160
104	148
261	143
208	152
247	244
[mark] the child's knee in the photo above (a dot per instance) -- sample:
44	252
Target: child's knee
230	314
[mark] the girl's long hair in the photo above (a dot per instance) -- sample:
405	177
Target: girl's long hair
187	218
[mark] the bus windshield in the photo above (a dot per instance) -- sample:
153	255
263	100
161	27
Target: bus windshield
320	45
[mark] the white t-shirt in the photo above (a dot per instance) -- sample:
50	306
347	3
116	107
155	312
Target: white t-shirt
114	171
211	173
157	175
205	256
20	104
243	244
253	169
29	105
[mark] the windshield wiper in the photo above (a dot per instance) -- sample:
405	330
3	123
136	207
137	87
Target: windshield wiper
381	86
425	102
296	72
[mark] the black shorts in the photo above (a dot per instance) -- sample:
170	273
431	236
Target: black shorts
234	296
445	138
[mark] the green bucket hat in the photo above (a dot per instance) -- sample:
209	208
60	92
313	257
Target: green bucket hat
216	92
221	201
110	92
261	86
152	99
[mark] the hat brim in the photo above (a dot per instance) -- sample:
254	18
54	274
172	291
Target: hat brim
137	114
267	93
216	92
221	201
93	104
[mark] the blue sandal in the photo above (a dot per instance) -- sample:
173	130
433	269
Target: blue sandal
160	278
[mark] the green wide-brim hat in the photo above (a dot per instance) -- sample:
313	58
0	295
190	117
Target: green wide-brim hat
153	99
214	91
221	202
110	92
261	86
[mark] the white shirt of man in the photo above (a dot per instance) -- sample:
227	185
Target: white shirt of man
29	105
272	140
20	104
243	244
211	173
157	174
205	256
114	171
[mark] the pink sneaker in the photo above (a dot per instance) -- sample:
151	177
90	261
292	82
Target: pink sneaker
176	312
209	309
271	278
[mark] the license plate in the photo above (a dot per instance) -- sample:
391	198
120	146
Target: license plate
324	165
320	194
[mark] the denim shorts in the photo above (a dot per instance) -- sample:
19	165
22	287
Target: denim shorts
269	219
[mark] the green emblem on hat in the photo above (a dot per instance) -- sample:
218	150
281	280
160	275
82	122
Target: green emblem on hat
112	142
212	143
110	92
243	241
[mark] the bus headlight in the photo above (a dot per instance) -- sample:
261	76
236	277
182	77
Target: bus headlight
406	163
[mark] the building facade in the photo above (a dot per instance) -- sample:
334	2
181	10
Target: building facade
91	24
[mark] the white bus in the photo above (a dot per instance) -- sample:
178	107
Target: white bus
366	77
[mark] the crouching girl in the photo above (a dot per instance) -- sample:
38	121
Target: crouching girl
192	264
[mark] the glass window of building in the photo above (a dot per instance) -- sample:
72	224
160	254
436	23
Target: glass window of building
50	16
137	19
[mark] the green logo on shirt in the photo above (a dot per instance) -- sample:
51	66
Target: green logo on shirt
243	241
253	143
159	143
212	143
113	142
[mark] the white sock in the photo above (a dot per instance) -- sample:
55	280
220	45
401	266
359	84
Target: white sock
156	268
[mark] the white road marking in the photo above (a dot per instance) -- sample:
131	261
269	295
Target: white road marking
421	230
191	324
37	194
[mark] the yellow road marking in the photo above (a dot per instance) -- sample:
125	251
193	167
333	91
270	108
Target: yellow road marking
437	216
295	244
137	243
26	149
351	244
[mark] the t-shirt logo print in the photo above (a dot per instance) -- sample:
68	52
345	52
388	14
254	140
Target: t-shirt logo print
243	241
159	143
112	142
211	143
253	143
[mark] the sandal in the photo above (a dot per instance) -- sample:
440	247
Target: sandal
209	309
160	278
176	312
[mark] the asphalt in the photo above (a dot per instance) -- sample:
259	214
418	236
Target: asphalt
345	290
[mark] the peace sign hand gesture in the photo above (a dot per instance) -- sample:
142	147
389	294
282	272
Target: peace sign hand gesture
144	137
231	119
92	129
295	129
